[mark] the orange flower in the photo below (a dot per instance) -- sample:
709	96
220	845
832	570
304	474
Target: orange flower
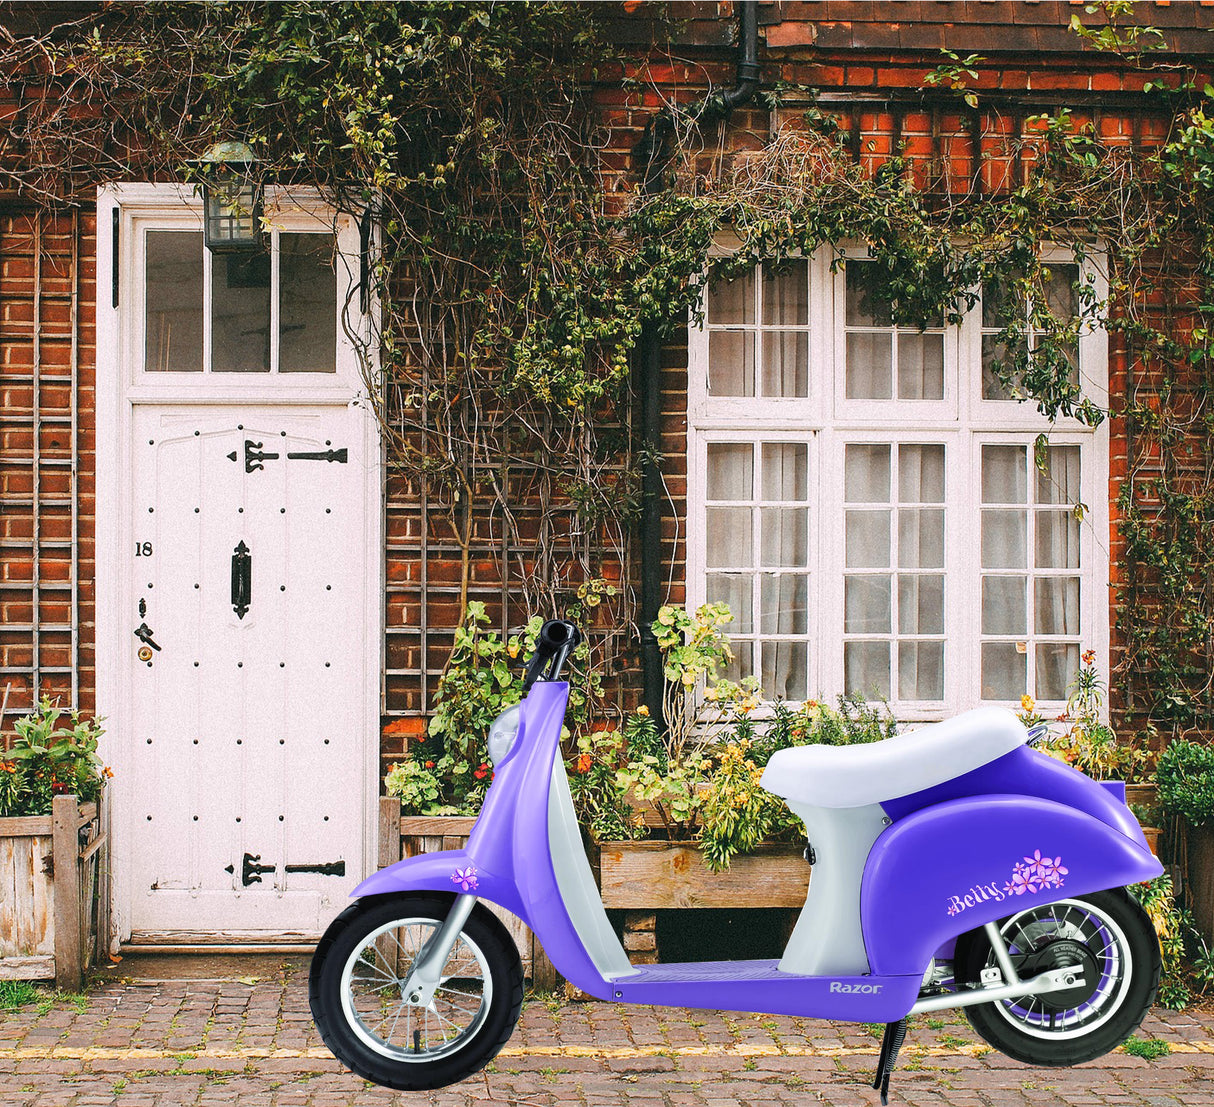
584	762
429	764
7	767
481	772
1089	657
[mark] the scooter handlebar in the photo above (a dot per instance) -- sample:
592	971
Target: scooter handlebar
557	639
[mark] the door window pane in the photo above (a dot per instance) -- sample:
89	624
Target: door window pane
240	313
1004	605
1004	671
731	363
1004	479
866	472
732	301
920	366
866	669
785	604
730	542
785	470
786	295
785	363
921	670
869	366
920	604
867	605
731	471
307	341
173	302
733	589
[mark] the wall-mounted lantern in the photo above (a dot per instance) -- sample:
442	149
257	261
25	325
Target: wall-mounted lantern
231	198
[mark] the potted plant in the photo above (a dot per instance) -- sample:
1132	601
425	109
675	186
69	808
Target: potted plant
1186	790
712	836
52	783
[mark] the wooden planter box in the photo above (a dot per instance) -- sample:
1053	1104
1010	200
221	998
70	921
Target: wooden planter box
403	836
54	916
644	877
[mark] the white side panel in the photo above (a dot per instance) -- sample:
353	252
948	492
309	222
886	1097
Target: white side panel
828	940
576	881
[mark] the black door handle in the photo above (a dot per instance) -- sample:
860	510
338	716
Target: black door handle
242	579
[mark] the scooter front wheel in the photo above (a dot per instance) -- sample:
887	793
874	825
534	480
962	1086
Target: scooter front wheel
1106	933
380	1029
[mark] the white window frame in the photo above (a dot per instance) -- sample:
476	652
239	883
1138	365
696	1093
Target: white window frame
963	422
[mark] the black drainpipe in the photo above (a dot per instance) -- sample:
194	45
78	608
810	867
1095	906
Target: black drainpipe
652	153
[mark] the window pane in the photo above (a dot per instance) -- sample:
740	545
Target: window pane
307	304
732	301
866	605
868	366
998	360
1061	291
1057	540
867	539
785	471
1004	671
173	302
729	538
1004	479
1004	605
785	604
1057	664
920	366
786	296
921	474
733	589
1056	605
863	307
742	664
785	363
866	474
921	670
731	471
866	669
1004	540
731	363
921	538
785	536
783	674
240	313
1058	483
920	605
998	307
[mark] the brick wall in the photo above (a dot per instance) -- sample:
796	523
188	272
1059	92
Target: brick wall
868	60
47	441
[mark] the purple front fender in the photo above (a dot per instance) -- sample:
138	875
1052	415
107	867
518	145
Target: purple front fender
448	871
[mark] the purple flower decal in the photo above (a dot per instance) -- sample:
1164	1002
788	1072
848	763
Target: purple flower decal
465	878
1035	874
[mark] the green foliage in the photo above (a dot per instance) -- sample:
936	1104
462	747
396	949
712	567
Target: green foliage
47	759
1150	1048
737	813
1089	743
15	994
1171	924
956	72
1186	781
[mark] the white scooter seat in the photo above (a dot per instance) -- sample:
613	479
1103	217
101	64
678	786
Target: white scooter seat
856	776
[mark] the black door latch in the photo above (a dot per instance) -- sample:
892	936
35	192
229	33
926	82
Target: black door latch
250	870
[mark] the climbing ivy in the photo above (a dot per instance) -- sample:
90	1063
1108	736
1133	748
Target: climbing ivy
520	259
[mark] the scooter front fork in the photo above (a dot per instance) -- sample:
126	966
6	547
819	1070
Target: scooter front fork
426	973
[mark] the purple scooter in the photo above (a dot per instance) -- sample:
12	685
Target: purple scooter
954	866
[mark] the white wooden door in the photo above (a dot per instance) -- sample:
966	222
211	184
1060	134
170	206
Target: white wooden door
239	570
248	571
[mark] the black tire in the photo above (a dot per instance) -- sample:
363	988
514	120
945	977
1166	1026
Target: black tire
1108	933
359	1017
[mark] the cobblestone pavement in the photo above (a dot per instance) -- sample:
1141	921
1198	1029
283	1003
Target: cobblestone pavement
143	1041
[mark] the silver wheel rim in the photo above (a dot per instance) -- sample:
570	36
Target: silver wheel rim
383	1019
1079	922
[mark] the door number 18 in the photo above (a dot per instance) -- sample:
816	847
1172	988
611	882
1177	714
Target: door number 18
143	549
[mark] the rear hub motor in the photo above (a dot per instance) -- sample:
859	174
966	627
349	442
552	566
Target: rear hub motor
1063	953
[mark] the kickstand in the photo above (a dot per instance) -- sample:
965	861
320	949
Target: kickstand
891	1042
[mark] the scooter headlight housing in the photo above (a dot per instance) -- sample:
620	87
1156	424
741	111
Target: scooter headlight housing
503	732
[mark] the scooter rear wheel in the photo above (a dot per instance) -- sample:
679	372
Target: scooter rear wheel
356	991
1110	935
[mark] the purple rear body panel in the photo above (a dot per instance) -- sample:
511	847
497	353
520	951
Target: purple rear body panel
954	865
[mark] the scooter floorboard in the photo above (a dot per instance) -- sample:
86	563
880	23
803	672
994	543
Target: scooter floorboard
761	986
